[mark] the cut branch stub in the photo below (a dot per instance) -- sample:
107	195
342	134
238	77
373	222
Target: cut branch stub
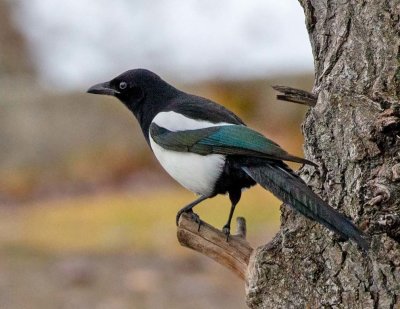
295	95
233	254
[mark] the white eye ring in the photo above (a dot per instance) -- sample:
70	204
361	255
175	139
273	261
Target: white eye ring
122	85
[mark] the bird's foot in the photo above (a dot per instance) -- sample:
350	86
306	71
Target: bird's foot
195	217
227	231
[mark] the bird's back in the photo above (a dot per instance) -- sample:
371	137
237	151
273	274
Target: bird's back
202	109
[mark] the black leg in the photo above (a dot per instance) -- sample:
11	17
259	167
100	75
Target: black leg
234	196
188	208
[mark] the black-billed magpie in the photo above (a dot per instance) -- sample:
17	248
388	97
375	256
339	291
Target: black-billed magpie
210	151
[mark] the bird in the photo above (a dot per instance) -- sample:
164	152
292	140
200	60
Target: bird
209	150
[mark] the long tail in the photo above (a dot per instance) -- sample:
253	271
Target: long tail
292	190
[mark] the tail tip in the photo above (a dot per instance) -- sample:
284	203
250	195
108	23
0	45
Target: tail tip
364	243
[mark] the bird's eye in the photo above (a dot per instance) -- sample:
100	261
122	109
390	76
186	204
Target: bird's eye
122	85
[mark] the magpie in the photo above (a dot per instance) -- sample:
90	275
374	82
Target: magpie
210	151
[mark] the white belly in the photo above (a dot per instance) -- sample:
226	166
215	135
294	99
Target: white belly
195	172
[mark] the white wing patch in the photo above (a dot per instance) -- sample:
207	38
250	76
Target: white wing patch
173	121
195	172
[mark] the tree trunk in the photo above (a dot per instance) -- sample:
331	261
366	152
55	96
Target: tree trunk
353	133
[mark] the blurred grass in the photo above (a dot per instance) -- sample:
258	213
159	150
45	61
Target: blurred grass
126	222
118	249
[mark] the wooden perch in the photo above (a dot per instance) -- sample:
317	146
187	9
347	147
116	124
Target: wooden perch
233	254
295	95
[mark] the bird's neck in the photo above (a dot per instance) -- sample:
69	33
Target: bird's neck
153	105
144	122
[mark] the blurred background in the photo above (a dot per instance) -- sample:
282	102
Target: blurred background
87	217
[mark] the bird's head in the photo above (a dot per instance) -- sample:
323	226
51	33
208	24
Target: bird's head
139	89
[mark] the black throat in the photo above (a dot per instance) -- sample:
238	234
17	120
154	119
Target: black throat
156	100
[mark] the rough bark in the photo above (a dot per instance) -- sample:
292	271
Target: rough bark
353	133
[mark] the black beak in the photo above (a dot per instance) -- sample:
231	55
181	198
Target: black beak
103	88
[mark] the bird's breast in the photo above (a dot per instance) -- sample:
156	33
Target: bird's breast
195	172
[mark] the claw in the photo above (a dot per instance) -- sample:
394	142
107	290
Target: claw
188	208
227	231
178	215
195	217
